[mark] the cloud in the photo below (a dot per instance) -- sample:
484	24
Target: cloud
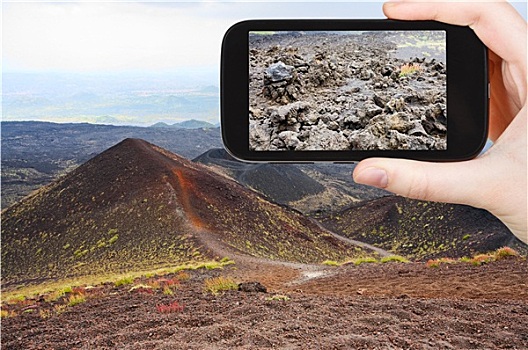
137	35
143	36
105	36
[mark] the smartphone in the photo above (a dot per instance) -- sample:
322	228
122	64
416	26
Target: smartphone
345	90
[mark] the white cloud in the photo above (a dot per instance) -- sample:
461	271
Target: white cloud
137	36
106	36
132	36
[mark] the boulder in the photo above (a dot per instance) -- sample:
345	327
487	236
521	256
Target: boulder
278	72
252	287
290	139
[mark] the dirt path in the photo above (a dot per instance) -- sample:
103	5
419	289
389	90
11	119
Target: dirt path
381	252
274	273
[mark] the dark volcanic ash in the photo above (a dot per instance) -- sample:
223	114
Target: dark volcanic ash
344	91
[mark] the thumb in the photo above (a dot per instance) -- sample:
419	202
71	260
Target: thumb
458	182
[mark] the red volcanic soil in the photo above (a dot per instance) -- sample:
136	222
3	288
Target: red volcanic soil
136	197
378	306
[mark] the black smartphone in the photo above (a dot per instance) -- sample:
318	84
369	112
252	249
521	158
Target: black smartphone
345	90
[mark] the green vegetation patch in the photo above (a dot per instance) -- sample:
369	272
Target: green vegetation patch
220	284
394	258
477	260
124	281
278	297
356	261
365	260
57	289
76	299
62	295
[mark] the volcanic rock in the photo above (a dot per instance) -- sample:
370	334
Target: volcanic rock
279	72
252	287
348	81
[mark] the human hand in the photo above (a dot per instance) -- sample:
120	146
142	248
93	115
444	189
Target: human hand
497	180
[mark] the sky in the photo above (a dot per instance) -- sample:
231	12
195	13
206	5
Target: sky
117	36
121	36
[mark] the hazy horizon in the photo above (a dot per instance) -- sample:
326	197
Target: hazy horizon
117	98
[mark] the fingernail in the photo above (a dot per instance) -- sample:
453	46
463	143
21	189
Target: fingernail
393	2
373	177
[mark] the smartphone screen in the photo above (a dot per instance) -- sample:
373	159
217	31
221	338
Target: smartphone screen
348	90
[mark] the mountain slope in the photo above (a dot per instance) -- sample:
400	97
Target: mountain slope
137	205
423	230
36	153
313	189
282	183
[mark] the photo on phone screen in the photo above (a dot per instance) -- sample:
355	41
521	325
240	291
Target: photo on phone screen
347	90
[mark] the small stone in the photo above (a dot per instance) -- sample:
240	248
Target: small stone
366	74
290	139
374	111
396	104
387	70
417	130
379	101
333	125
252	287
279	72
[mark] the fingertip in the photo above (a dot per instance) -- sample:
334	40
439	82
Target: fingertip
389	6
372	176
365	163
408	178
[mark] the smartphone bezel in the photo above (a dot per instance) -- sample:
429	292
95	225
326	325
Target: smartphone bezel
467	91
